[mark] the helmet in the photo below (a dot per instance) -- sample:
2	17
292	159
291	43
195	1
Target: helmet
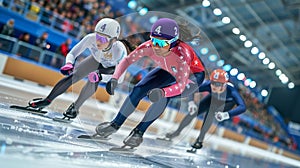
165	28
219	75
108	27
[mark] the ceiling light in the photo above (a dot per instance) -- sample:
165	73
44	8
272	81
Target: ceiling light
204	51
261	55
220	63
264	93
243	38
271	65
217	12
234	71
254	50
266	61
236	30
227	67
248	44
212	58
226	20
241	76
252	84
291	85
278	72
205	3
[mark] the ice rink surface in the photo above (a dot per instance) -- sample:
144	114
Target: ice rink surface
35	141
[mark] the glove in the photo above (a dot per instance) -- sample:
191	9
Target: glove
94	77
156	94
67	69
111	86
221	116
192	107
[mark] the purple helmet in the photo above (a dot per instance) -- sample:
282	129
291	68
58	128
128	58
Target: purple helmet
165	28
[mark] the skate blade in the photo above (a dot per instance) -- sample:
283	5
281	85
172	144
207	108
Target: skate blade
64	120
122	150
28	109
164	139
193	150
93	137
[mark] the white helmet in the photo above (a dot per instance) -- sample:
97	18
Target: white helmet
108	27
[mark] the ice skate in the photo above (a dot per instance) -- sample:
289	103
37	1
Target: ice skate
134	139
169	136
39	103
70	113
95	137
195	146
34	106
106	129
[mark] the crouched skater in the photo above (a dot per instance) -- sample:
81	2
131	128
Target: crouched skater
106	52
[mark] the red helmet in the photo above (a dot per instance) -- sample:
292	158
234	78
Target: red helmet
219	75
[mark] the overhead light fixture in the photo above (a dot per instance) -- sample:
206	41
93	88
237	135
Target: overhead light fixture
266	61
241	76
278	72
227	67
291	85
204	51
236	30
252	84
217	12
254	50
212	58
220	63
261	55
226	20
248	44
264	93
205	3
271	65
243	37
234	71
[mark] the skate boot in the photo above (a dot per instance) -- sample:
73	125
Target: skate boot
172	135
71	112
106	129
195	146
39	103
134	139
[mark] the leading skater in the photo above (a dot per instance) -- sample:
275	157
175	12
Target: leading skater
177	63
106	52
223	102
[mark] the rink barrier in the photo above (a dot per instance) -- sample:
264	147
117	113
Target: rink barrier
42	75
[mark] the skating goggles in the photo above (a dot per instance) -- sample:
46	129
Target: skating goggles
162	43
101	38
217	84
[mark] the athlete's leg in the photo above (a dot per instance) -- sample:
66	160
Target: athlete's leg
90	88
88	65
152	80
209	117
203	106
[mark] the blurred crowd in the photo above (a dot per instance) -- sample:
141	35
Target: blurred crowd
84	14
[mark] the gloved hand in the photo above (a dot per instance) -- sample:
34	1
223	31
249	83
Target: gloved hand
156	94
94	77
221	116
192	107
67	69
111	86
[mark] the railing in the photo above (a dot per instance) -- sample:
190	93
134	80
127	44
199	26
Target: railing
31	52
34	12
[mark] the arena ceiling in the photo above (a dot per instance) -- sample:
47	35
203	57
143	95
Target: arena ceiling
273	26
